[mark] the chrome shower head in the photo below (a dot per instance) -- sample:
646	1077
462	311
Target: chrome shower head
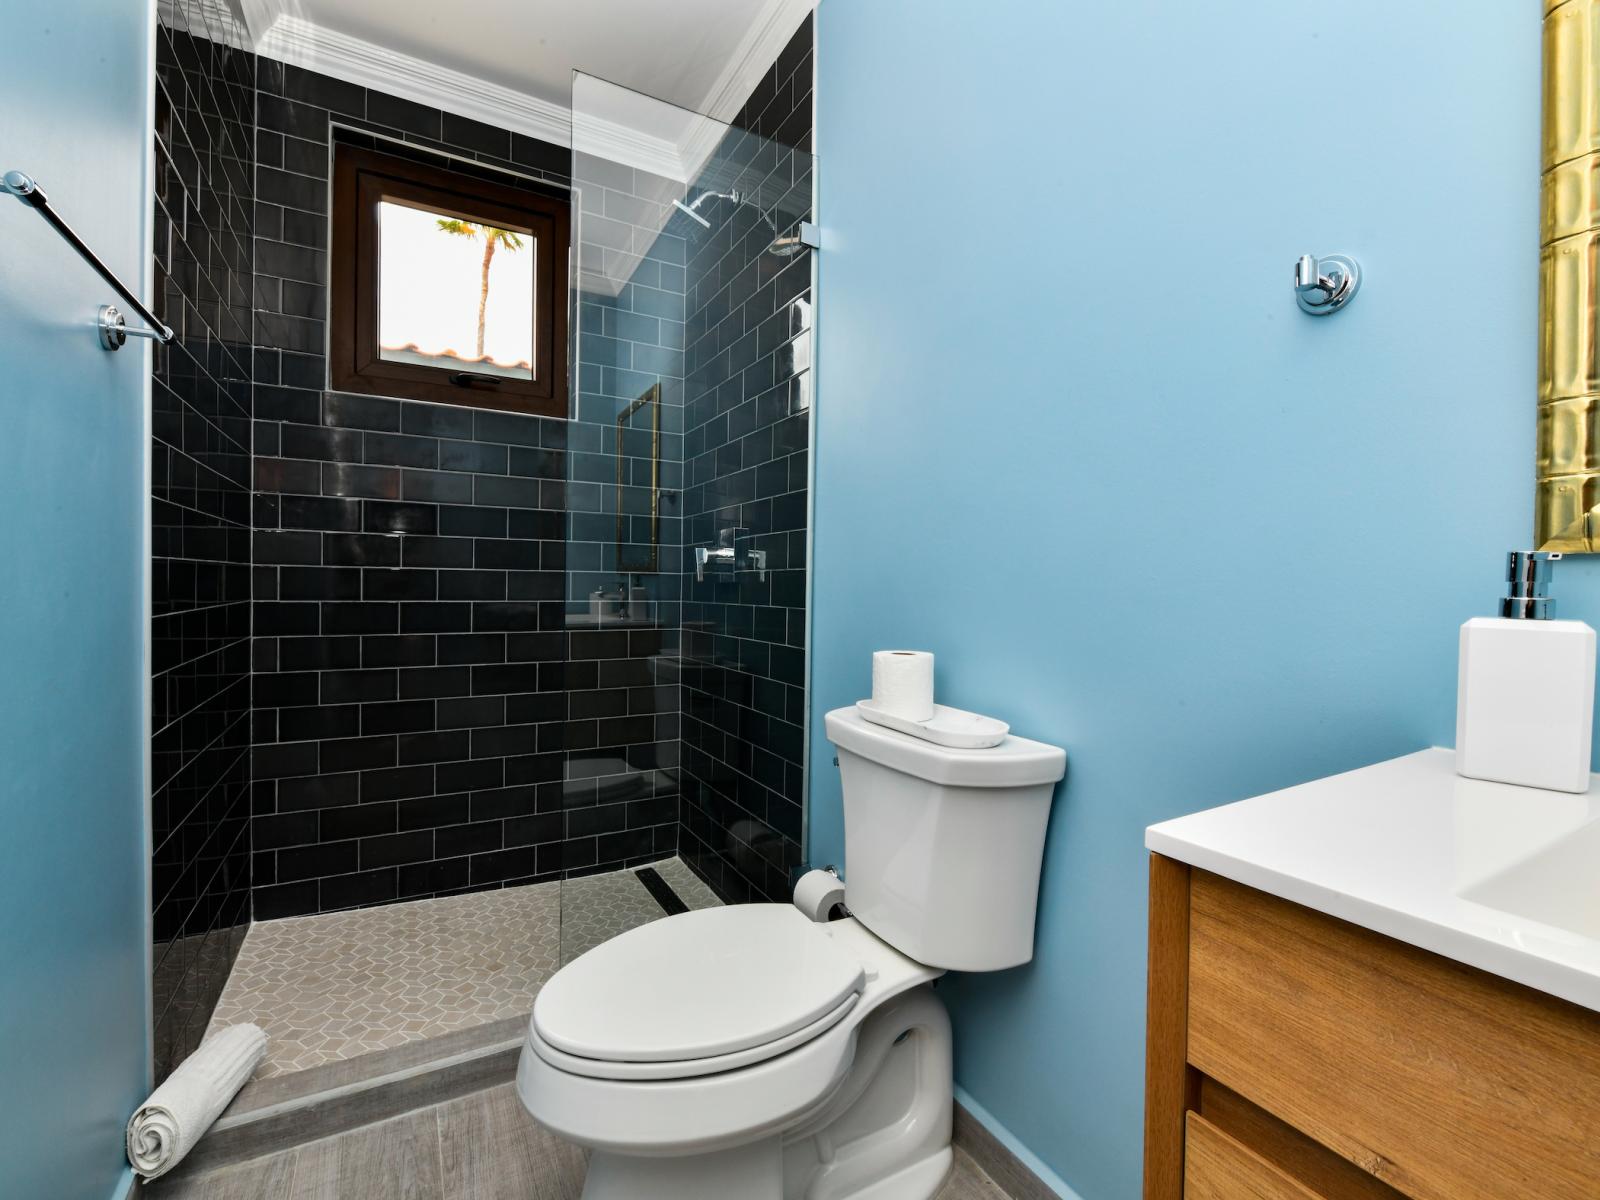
692	209
689	212
782	246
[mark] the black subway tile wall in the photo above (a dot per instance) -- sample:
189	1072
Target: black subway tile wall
200	512
410	648
747	401
410	653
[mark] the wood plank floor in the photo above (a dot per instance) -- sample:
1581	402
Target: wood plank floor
480	1147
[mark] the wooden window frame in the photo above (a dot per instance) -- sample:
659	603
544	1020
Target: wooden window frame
361	179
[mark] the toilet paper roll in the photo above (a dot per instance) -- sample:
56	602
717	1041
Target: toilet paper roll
902	683
818	893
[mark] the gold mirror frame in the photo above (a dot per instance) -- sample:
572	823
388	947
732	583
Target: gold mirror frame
1567	503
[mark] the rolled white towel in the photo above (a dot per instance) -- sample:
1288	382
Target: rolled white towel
166	1126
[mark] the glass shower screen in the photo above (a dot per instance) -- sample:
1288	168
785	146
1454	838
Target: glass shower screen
691	317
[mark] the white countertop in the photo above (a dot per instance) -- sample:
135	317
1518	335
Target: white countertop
1399	847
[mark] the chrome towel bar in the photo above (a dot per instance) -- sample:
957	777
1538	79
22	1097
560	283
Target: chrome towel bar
114	330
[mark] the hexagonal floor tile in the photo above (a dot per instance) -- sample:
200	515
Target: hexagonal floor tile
338	985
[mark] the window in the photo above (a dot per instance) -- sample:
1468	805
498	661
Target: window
446	286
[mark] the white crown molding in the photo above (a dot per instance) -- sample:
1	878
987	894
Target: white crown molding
768	34
257	17
302	43
624	144
305	44
291	39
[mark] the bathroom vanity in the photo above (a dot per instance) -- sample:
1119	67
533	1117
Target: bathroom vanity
1382	984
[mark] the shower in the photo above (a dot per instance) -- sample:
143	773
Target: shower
783	247
614	765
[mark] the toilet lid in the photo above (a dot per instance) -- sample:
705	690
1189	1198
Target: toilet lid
714	981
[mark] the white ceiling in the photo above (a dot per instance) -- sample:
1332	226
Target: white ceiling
675	49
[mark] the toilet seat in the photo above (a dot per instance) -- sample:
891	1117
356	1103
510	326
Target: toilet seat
695	993
598	1068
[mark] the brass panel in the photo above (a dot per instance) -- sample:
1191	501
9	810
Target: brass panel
1567	520
1569	200
1568	467
1569	437
1571	102
1569	342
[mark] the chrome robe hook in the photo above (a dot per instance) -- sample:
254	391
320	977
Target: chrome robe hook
1325	285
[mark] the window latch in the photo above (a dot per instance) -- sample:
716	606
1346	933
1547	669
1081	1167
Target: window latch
468	379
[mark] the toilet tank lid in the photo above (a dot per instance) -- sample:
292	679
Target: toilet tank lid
1015	762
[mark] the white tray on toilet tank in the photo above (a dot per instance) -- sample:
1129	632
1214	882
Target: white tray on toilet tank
953	727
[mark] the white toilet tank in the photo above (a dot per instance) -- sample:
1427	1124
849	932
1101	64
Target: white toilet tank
942	846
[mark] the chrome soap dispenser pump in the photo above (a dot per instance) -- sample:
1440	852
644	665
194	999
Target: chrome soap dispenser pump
1525	694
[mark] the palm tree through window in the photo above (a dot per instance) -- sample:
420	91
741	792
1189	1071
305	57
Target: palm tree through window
492	238
435	277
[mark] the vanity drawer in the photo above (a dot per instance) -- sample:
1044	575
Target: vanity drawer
1215	1167
1443	1081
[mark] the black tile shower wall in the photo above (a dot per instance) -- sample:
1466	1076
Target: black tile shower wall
410	653
410	647
200	478
779	107
747	397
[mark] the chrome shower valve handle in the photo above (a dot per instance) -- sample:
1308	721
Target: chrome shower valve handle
726	556
1325	285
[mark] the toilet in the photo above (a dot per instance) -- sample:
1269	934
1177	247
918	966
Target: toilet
751	1053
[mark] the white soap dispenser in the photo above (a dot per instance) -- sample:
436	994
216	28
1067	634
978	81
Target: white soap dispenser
1525	697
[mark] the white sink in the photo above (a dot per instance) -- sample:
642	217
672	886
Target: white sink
1558	885
1502	878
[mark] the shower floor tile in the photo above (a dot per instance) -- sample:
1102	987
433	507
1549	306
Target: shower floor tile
595	908
339	985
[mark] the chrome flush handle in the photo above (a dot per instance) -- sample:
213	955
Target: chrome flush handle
1325	285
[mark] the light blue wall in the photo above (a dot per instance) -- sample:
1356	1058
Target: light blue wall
1074	436
75	92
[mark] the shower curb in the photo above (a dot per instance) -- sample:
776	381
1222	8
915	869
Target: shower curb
285	1111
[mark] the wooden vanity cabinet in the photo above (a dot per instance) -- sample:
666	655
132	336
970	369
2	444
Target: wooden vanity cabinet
1293	1056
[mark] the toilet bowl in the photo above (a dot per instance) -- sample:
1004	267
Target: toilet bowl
749	1052
733	1054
